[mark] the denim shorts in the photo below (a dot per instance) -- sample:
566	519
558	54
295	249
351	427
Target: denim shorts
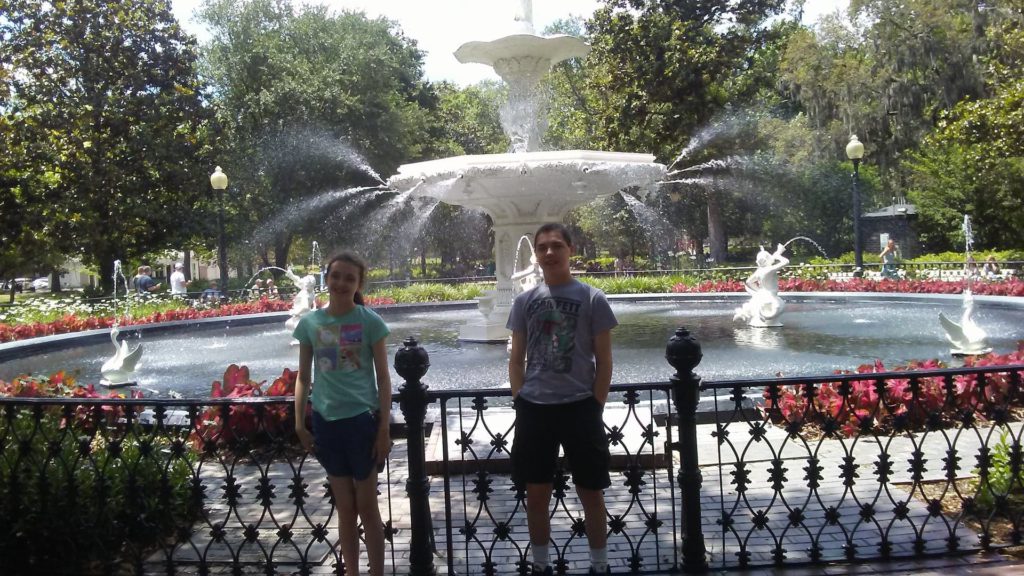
345	447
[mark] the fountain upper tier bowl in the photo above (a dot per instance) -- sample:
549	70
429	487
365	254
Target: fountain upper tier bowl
534	185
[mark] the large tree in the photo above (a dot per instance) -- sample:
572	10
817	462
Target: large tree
312	102
467	120
886	71
974	164
102	106
660	69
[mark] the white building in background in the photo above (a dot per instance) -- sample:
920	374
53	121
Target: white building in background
198	269
74	274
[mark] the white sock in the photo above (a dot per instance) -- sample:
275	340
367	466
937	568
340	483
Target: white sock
599	559
541	556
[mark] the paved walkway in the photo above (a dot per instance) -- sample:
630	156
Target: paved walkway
982	564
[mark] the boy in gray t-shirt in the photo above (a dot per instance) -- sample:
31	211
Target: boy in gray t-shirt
560	371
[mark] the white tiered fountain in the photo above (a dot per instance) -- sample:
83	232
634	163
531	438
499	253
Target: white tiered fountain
525	188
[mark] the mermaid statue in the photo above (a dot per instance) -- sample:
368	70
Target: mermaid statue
764	307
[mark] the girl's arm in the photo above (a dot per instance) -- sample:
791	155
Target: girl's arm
302	396
382	447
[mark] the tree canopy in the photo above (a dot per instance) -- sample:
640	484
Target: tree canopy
311	102
105	126
113	118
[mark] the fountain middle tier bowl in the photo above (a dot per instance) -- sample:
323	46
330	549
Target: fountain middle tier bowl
528	184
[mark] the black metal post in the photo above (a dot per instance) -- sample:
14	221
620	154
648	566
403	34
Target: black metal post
222	246
858	254
411	363
683	353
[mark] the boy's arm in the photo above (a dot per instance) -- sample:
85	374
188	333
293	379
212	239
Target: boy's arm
517	363
603	360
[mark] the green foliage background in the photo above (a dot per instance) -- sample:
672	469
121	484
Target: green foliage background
113	117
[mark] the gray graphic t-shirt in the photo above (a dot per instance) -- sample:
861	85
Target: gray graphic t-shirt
560	323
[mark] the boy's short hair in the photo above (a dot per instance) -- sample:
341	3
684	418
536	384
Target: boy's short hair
554	227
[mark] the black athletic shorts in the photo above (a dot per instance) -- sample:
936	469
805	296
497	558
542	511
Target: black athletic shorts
577	427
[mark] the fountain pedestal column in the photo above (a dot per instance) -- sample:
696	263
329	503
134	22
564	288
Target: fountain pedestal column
496	304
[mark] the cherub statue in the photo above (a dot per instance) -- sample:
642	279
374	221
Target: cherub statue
528	277
304	301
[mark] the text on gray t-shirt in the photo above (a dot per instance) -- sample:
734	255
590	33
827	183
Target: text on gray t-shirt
560	323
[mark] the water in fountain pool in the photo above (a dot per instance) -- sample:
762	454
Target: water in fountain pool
818	338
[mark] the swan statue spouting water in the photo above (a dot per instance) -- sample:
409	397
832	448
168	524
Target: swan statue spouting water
120	368
967	338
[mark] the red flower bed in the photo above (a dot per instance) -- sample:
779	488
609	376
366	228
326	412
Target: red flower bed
1003	288
866	406
72	323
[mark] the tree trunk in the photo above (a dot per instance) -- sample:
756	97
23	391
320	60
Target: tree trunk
281	247
186	261
55	282
107	273
716	229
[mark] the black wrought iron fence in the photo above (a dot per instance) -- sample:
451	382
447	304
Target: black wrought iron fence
864	466
837	468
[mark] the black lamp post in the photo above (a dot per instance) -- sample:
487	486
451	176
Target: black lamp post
219	181
855	151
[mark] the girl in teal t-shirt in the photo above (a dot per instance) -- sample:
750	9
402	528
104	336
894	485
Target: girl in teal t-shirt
346	343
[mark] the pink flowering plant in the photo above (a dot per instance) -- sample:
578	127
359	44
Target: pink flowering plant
229	424
872	405
1013	287
62	384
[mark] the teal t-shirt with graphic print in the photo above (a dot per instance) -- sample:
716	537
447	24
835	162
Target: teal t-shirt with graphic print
344	379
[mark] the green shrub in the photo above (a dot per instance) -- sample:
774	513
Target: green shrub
104	494
431	292
634	284
1005	475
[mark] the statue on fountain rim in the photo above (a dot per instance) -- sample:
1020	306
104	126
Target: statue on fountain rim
304	301
527	278
764	306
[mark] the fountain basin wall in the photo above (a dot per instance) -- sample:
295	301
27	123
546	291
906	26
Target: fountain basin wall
823	332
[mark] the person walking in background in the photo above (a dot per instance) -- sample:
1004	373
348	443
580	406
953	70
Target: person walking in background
272	289
212	293
971	267
888	256
990	269
560	370
179	285
343	356
257	289
144	282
